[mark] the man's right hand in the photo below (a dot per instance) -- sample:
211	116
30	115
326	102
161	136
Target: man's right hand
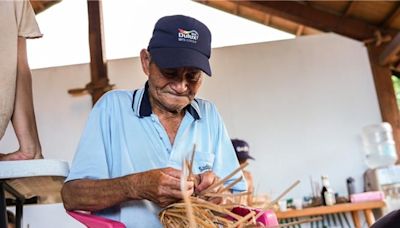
161	186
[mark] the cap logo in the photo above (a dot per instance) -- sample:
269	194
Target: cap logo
188	36
242	149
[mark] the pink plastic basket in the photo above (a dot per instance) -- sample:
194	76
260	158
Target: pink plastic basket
268	217
93	221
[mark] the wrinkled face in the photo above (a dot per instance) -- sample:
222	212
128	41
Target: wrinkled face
172	90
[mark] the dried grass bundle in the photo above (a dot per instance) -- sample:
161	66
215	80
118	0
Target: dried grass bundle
194	211
205	214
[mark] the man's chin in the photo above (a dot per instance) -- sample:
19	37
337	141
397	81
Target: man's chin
178	101
176	107
175	103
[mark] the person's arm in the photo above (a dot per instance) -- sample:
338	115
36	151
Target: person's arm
161	186
23	118
250	187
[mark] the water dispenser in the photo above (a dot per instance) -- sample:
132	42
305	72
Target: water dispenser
379	146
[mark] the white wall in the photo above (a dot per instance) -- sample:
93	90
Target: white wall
300	104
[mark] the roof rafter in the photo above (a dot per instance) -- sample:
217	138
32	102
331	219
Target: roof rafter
391	17
300	30
315	18
349	8
389	54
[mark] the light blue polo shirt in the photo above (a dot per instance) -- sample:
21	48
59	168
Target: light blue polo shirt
123	136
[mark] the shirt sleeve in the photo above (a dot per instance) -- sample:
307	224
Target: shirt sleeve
92	160
225	158
25	17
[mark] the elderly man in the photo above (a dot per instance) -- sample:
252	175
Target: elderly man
129	160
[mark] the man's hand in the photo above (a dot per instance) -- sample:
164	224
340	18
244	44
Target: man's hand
204	181
161	186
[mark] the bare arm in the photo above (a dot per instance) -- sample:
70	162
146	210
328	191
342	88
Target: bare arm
162	186
23	118
250	187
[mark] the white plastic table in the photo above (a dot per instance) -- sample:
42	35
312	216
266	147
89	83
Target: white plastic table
40	180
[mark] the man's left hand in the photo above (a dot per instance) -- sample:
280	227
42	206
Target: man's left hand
204	180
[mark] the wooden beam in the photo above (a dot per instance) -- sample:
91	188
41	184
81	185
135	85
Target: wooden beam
267	19
299	30
349	8
387	22
385	92
98	63
315	18
390	52
236	10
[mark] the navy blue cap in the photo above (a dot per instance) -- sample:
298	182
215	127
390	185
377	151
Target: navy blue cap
242	149
181	41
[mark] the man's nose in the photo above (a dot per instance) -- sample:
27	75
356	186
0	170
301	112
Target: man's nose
180	84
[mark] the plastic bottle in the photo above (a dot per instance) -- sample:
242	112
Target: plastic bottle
327	194
350	186
379	145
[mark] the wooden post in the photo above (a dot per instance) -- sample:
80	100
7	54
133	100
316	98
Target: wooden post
98	63
385	92
369	216
356	219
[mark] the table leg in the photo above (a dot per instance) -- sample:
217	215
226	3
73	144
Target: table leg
20	200
18	213
3	206
356	219
369	216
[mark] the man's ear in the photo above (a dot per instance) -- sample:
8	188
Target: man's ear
145	60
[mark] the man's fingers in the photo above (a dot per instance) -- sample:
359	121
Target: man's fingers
163	186
175	183
177	194
206	179
172	172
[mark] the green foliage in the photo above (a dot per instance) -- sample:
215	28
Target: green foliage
396	85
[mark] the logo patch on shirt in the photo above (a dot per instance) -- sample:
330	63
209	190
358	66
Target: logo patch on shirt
204	168
188	36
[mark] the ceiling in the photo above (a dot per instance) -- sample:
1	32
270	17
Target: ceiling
372	22
359	20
